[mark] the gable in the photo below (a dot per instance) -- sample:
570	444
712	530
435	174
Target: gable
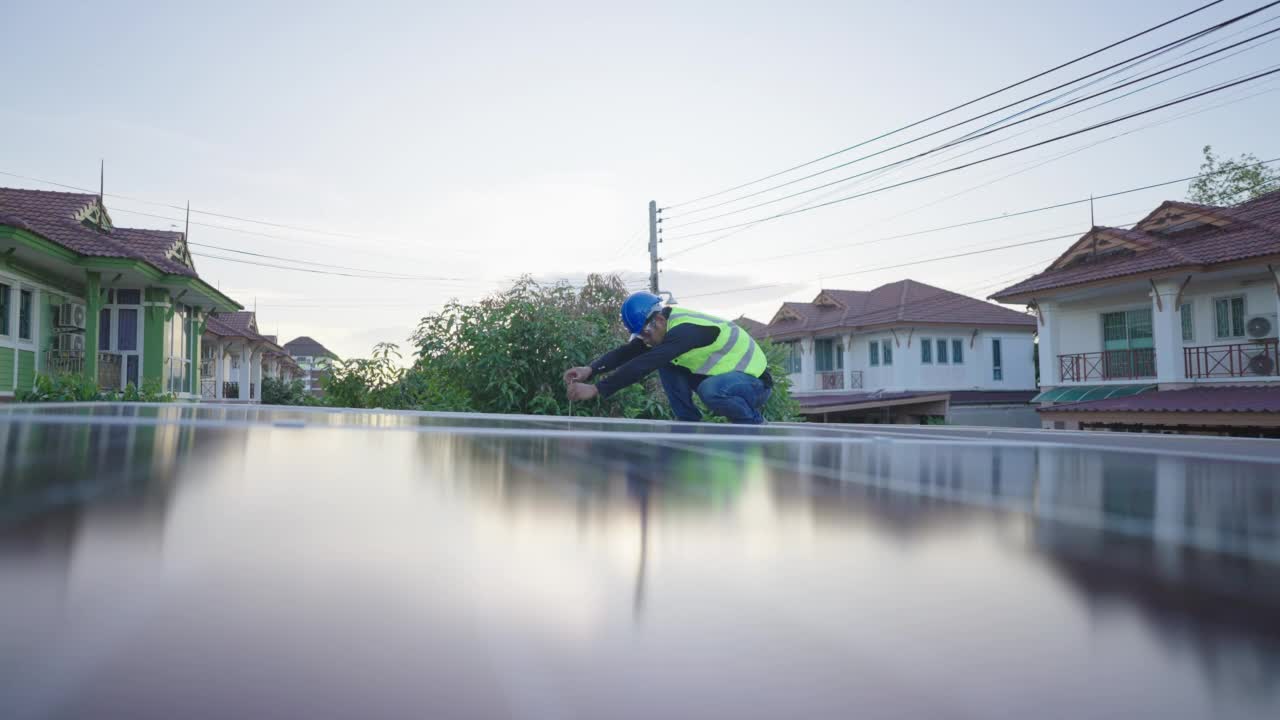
1101	241
1173	217
827	300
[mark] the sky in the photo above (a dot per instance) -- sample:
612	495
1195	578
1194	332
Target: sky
458	145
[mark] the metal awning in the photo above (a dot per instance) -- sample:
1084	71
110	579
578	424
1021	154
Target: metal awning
1080	393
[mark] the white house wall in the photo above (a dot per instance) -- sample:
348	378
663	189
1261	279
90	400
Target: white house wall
908	373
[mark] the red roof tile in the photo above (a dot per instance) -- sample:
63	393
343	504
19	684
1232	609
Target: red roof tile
900	303
1236	398
1253	230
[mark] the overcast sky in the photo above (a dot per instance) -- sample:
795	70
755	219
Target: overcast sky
480	140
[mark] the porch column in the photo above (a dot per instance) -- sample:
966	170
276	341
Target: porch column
1048	345
243	377
219	371
92	310
848	361
808	365
255	373
1166	332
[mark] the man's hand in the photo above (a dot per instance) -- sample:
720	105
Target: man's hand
577	375
582	391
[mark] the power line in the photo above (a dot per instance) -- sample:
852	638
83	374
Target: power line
963	105
997	156
968	138
394	276
1029	167
1004	216
306	270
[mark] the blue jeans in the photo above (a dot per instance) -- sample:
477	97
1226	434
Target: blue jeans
735	395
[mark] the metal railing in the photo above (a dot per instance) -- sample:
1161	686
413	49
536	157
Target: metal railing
1251	359
68	362
834	380
1107	365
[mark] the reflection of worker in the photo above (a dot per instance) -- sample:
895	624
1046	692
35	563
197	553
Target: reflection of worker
691	352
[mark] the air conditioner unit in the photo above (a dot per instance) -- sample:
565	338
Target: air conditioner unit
71	315
1260	362
69	342
1261	327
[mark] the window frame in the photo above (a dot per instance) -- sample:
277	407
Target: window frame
886	352
873	350
1244	315
957	351
997	360
6	304
940	354
1188	321
926	351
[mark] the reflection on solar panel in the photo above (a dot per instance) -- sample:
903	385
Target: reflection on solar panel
219	561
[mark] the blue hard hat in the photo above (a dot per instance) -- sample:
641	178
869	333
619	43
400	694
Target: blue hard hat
637	308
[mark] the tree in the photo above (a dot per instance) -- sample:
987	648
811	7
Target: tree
1231	181
506	354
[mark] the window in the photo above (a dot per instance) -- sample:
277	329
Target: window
24	314
942	352
1127	330
997	367
1228	316
793	356
828	355
177	349
119	331
4	309
875	353
1188	322
957	351
886	352
926	351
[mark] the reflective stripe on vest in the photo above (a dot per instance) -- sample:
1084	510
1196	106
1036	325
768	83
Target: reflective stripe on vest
733	350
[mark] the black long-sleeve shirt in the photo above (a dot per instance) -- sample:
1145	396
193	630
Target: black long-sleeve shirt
630	363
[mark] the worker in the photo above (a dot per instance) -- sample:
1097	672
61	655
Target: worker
692	352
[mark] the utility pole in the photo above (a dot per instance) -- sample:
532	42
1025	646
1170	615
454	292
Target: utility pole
653	247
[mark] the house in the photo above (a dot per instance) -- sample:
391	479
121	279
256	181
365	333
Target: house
313	359
1169	326
907	352
79	295
754	328
235	358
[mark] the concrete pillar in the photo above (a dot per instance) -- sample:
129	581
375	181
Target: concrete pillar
1166	332
848	362
255	373
808	365
219	370
1048	345
243	376
93	308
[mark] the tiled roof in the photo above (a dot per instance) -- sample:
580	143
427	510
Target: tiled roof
810	402
900	303
1237	398
306	346
52	215
216	326
244	321
754	328
991	397
1252	231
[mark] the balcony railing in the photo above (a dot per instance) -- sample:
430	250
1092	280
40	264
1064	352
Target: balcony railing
834	380
1107	365
1252	359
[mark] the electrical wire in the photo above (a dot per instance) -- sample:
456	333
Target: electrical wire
964	166
961	106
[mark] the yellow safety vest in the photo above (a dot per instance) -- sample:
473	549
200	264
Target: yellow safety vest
733	350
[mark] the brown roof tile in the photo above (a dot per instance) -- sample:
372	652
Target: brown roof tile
903	302
52	215
1254	231
1237	398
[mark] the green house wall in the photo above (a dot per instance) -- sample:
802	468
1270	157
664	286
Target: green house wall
6	369
26	369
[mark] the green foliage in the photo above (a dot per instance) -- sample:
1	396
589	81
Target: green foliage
507	353
61	388
279	392
73	387
1231	181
